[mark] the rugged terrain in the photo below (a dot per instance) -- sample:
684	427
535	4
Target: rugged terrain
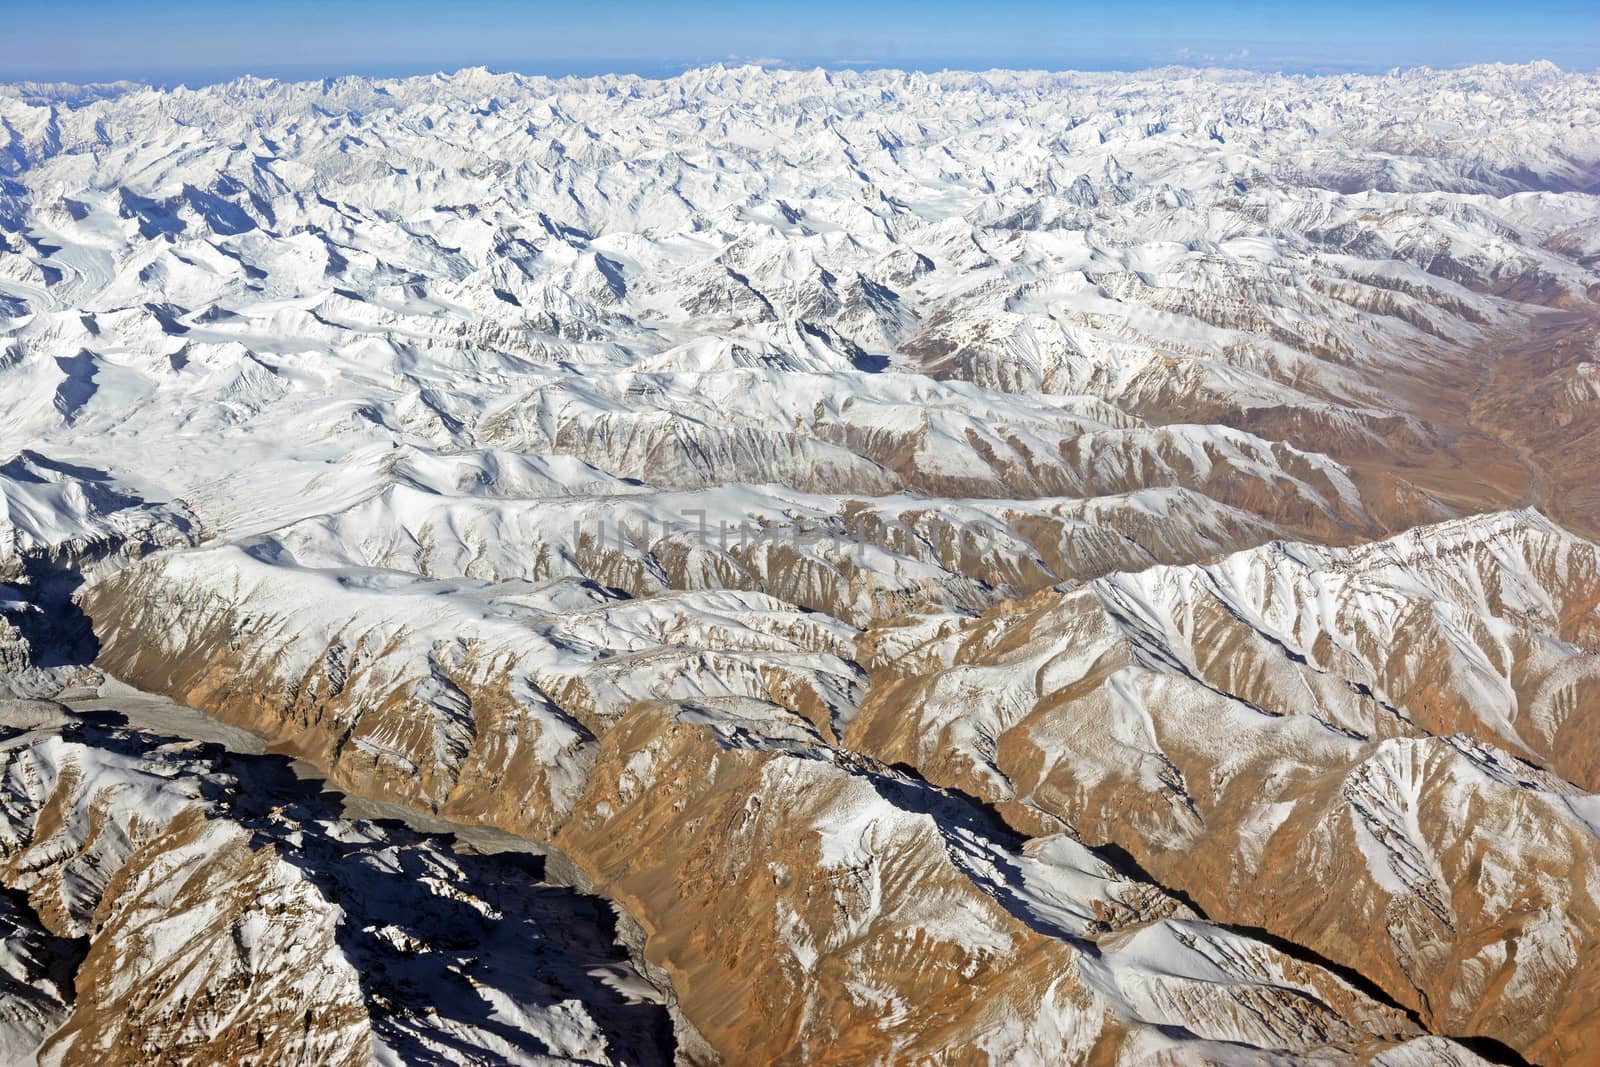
802	567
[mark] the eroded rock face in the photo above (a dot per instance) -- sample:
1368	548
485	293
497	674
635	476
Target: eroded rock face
875	919
1339	746
467	698
691	802
219	911
58	524
35	979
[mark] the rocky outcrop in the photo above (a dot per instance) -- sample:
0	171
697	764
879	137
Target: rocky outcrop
875	919
172	904
657	783
1339	746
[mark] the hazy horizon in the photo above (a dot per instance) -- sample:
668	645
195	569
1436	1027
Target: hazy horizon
200	78
187	41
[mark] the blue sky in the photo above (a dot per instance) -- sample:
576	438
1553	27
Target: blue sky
201	40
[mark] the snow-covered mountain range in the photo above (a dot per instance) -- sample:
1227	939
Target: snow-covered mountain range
998	568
